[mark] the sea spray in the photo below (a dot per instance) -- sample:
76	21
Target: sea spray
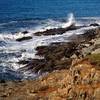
71	21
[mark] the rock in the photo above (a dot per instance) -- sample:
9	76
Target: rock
35	65
87	51
25	32
2	81
23	62
98	32
97	94
60	84
56	30
57	50
86	37
96	51
74	56
96	46
24	38
53	58
86	45
94	24
89	34
46	66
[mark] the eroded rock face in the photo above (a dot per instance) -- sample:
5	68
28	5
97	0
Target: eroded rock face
81	81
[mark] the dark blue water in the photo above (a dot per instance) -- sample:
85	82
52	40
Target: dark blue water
32	9
29	10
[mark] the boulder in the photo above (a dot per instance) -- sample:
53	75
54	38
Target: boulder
94	24
23	38
25	32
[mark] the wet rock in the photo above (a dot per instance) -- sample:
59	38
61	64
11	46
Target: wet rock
35	65
86	37
46	66
25	32
56	31
89	34
57	50
23	62
2	81
24	38
94	24
56	57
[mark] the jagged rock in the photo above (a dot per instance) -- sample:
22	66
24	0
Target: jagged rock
57	30
2	81
23	62
94	24
25	32
24	38
86	37
63	84
53	55
56	51
89	34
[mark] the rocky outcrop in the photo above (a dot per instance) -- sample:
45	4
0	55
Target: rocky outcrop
94	24
57	55
57	30
53	31
24	38
81	81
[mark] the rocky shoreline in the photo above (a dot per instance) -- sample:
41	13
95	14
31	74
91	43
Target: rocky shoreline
57	55
73	71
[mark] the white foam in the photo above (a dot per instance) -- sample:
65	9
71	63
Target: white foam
71	21
6	36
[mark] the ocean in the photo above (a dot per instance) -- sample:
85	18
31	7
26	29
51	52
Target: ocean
37	15
22	13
